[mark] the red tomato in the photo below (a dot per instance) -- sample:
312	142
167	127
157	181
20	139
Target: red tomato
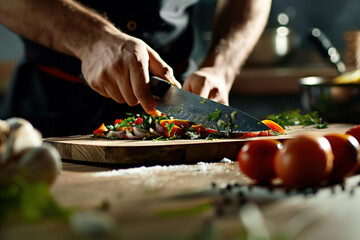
355	132
346	151
256	159
304	161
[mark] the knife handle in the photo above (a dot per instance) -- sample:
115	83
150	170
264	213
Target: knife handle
158	86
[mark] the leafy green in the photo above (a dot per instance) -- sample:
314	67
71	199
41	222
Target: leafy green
30	202
169	127
294	118
215	116
233	115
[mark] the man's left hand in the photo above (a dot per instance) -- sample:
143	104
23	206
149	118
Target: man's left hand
206	83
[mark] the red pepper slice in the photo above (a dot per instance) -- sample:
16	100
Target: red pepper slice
273	126
251	134
174	130
100	130
199	128
178	122
138	121
208	131
118	121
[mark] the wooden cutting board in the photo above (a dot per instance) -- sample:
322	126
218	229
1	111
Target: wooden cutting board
137	152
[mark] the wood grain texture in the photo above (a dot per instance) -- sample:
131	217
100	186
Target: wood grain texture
88	149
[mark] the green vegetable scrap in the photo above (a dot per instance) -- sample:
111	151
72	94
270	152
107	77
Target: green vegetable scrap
294	118
215	116
29	202
169	127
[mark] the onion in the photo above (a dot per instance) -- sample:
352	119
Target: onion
116	134
159	128
154	133
140	132
120	134
129	135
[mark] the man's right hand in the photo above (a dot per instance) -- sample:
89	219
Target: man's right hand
114	64
118	67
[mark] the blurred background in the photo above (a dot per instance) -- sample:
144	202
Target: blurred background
268	83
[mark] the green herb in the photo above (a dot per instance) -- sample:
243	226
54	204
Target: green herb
192	135
294	118
233	115
169	127
30	201
215	116
220	123
203	101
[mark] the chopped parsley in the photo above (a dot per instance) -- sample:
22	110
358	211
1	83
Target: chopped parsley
169	127
294	118
215	116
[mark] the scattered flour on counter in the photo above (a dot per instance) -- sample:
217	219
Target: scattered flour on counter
226	160
201	166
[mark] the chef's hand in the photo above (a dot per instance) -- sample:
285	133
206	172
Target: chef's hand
118	67
206	83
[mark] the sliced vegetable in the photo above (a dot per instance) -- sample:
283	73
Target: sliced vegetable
165	127
118	121
100	130
273	126
138	121
294	118
177	122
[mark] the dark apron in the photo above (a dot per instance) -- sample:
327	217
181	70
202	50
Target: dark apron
60	104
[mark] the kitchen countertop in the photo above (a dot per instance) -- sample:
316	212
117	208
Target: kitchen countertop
198	201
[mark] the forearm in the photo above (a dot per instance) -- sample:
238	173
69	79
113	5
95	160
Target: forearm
237	27
62	25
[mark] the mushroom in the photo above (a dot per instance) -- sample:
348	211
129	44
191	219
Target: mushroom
40	164
22	137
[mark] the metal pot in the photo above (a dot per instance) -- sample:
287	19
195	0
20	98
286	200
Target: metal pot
335	102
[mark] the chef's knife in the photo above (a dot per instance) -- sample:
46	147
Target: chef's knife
185	105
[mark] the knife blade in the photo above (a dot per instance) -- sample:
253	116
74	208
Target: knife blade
185	105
